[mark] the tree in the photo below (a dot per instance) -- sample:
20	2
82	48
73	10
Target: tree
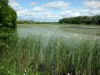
81	19
8	15
3	10
10	19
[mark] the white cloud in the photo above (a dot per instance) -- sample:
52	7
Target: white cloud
92	4
76	14
37	13
15	5
33	3
57	5
49	15
94	12
84	10
70	13
38	9
26	13
92	7
39	16
21	12
43	12
67	12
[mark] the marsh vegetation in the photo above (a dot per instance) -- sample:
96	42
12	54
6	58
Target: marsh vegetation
33	55
71	46
41	53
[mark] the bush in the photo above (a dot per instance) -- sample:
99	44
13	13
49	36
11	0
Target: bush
8	15
3	71
8	18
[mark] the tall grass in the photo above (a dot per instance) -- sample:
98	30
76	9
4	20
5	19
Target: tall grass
32	55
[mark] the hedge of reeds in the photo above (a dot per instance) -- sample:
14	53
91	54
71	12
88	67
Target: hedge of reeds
33	55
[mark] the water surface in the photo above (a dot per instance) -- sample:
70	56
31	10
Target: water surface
46	31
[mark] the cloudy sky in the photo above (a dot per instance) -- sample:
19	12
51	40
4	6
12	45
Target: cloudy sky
53	10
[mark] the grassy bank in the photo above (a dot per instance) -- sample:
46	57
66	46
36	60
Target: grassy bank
32	56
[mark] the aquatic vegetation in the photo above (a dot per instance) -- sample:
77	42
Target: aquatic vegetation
32	55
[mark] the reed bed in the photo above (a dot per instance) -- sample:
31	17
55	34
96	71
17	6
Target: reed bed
33	55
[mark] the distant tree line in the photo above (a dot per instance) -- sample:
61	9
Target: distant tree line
32	22
8	15
81	20
25	21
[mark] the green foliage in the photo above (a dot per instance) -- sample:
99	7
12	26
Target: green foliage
81	20
5	34
33	22
3	71
31	55
3	8
10	19
8	15
25	22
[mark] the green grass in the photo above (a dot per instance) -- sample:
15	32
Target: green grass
36	57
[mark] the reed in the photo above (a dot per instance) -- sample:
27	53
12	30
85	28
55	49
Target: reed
32	55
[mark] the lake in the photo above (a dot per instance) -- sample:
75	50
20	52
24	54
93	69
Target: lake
57	30
46	31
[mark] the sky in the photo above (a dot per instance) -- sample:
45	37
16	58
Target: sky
53	10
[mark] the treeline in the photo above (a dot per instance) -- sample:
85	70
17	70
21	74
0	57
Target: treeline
81	20
25	22
32	22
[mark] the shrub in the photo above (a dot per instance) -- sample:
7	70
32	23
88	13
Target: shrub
8	15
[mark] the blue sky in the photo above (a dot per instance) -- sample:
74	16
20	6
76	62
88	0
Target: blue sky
53	10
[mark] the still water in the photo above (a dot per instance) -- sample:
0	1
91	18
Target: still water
46	31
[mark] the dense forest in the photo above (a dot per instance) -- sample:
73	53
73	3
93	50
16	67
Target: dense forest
81	20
